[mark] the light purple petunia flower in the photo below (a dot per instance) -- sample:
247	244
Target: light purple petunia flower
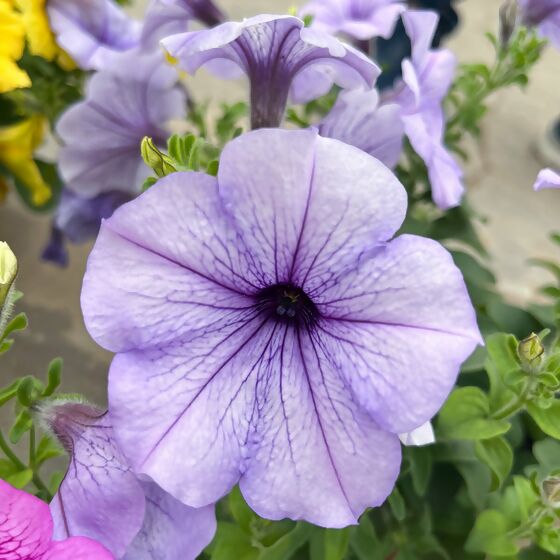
359	119
93	32
269	334
360	19
102	134
547	179
26	531
278	54
544	15
101	497
427	77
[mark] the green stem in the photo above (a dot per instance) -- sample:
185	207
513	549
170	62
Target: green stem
516	404
32	448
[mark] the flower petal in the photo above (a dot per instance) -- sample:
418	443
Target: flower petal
77	548
547	179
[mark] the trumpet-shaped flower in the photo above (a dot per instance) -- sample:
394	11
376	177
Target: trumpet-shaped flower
544	15
360	19
12	32
547	179
101	497
279	55
102	134
26	529
268	331
93	32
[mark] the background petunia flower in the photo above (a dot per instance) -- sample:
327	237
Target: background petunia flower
102	134
93	32
547	179
544	15
427	76
359	19
26	531
101	497
269	334
276	53
359	119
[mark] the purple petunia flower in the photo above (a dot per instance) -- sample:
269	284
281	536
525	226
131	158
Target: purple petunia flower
544	15
102	134
93	32
278	54
360	19
427	77
101	497
547	179
26	530
269	333
359	119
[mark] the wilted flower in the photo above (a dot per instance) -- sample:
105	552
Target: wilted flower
544	15
26	531
551	491
360	19
269	333
547	179
508	21
427	77
103	133
93	32
101	497
8	273
277	53
359	119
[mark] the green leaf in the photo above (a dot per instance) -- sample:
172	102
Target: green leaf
55	481
547	419
397	503
18	323
7	469
20	479
47	449
330	544
54	377
240	511
365	544
8	392
231	537
22	424
420	468
490	535
547	453
26	393
465	415
287	545
497	454
478	480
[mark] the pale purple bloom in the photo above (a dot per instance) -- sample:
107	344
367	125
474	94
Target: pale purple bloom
276	53
544	15
26	532
102	134
360	19
101	497
93	32
359	119
269	333
427	77
547	179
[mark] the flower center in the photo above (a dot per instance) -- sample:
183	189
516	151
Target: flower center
289	303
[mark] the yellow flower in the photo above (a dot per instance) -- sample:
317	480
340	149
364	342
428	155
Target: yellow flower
12	42
17	144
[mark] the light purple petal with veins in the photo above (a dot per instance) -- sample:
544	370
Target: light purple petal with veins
358	119
244	319
93	32
547	179
273	51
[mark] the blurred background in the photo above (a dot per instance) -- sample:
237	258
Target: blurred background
504	166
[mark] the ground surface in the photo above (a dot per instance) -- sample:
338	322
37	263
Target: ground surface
499	181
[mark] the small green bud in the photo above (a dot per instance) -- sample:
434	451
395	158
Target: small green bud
551	491
531	353
8	271
153	157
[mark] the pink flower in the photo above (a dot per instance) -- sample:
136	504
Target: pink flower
26	529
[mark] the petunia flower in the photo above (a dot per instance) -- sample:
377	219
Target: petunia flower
359	19
427	76
268	331
26	529
278	54
101	497
547	179
359	119
93	32
102	134
544	15
12	31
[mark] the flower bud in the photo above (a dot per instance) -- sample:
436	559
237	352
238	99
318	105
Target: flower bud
156	159
531	353
8	271
508	21
551	491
